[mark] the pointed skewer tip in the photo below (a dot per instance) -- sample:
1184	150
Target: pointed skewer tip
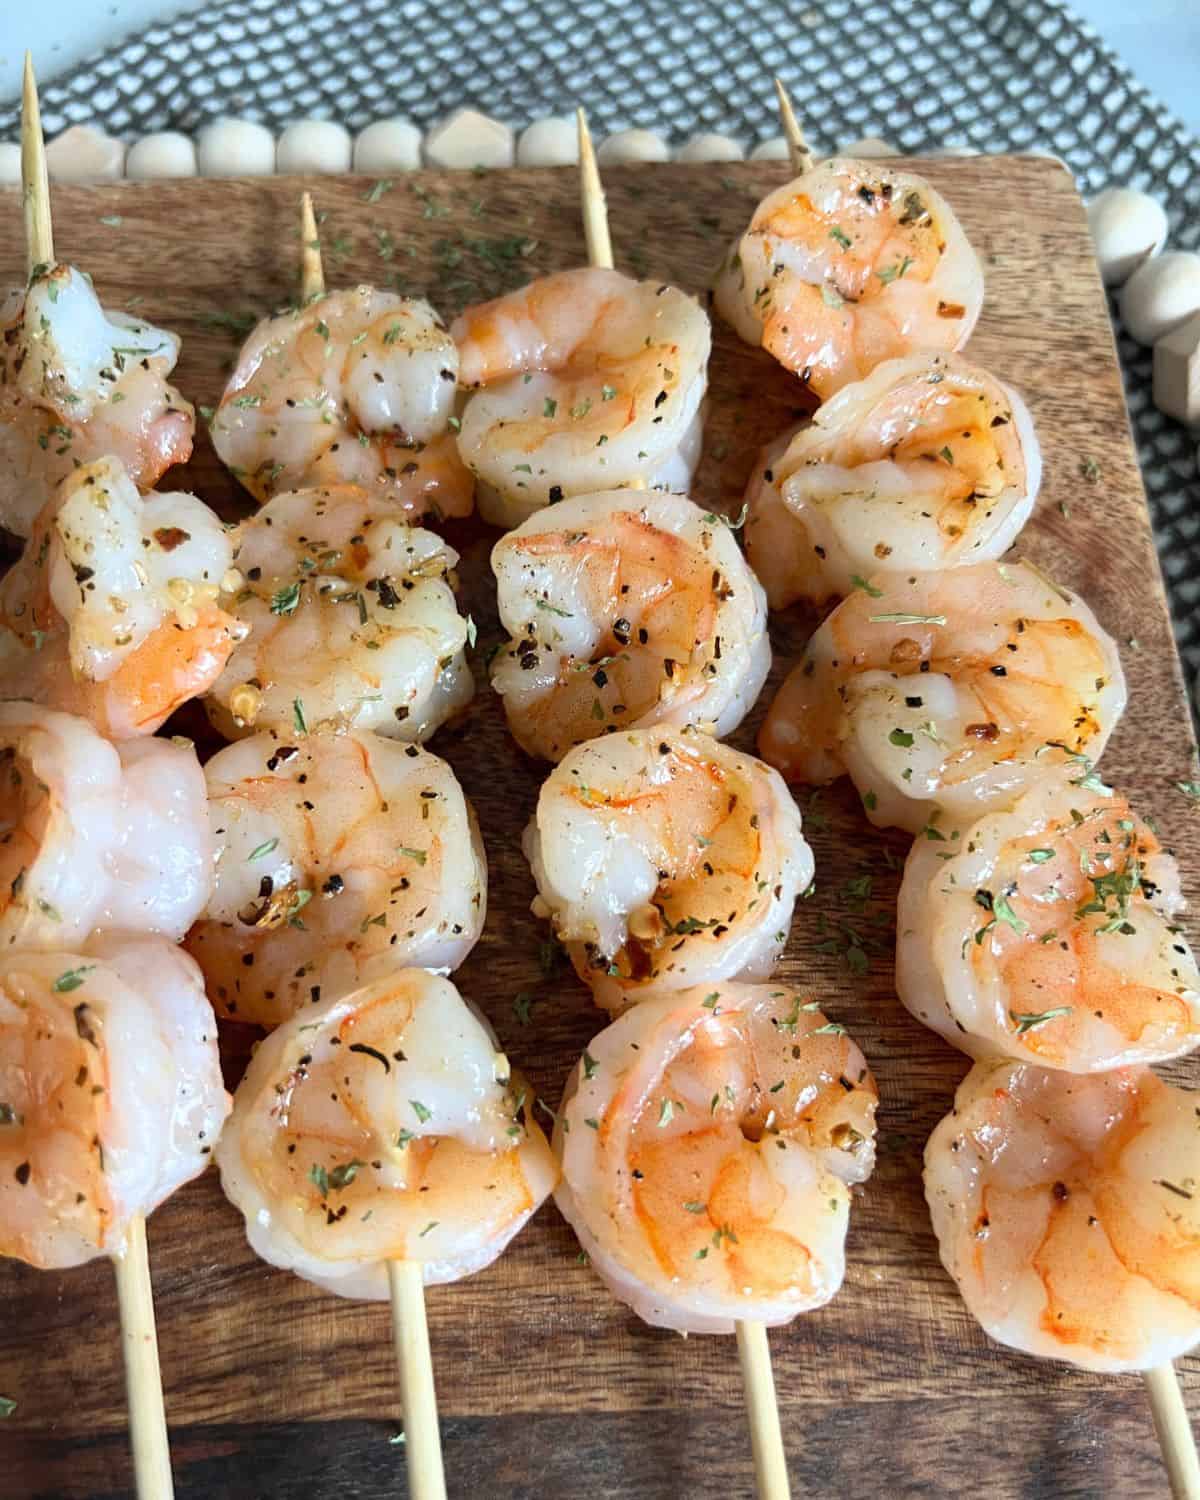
595	210
312	271
799	155
35	181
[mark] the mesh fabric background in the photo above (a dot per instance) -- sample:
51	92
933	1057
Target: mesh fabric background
993	76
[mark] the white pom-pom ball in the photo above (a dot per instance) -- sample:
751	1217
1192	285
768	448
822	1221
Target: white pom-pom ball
633	145
164	154
1177	373
235	148
468	139
1128	229
313	146
10	163
82	153
868	145
388	146
1161	295
775	148
552	142
711	148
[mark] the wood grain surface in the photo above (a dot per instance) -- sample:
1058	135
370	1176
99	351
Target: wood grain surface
547	1386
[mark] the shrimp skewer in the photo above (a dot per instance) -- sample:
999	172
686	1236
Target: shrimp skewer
111	1100
708	1141
78	382
1066	1211
352	387
380	1143
582	381
423	1441
147	1415
753	1348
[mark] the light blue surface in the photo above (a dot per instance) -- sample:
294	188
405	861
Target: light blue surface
1158	39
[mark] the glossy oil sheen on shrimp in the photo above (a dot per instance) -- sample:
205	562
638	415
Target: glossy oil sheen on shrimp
583	381
708	1140
665	859
850	264
943	690
384	1126
625	611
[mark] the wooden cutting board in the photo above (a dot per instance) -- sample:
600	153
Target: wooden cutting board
548	1387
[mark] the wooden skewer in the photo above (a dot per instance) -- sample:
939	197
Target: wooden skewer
766	1438
35	180
595	219
799	154
143	1380
312	272
595	210
422	1436
1175	1435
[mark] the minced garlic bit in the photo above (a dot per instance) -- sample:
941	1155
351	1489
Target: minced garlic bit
244	703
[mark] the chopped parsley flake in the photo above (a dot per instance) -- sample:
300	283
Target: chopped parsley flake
867	588
286	600
1030	1021
893	273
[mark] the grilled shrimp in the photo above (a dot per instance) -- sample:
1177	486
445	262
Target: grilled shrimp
110	1093
584	381
771	532
707	1141
348	609
94	835
1067	1209
356	387
666	860
338	859
112	610
929	462
1047	933
625	611
850	264
384	1126
940	690
80	382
